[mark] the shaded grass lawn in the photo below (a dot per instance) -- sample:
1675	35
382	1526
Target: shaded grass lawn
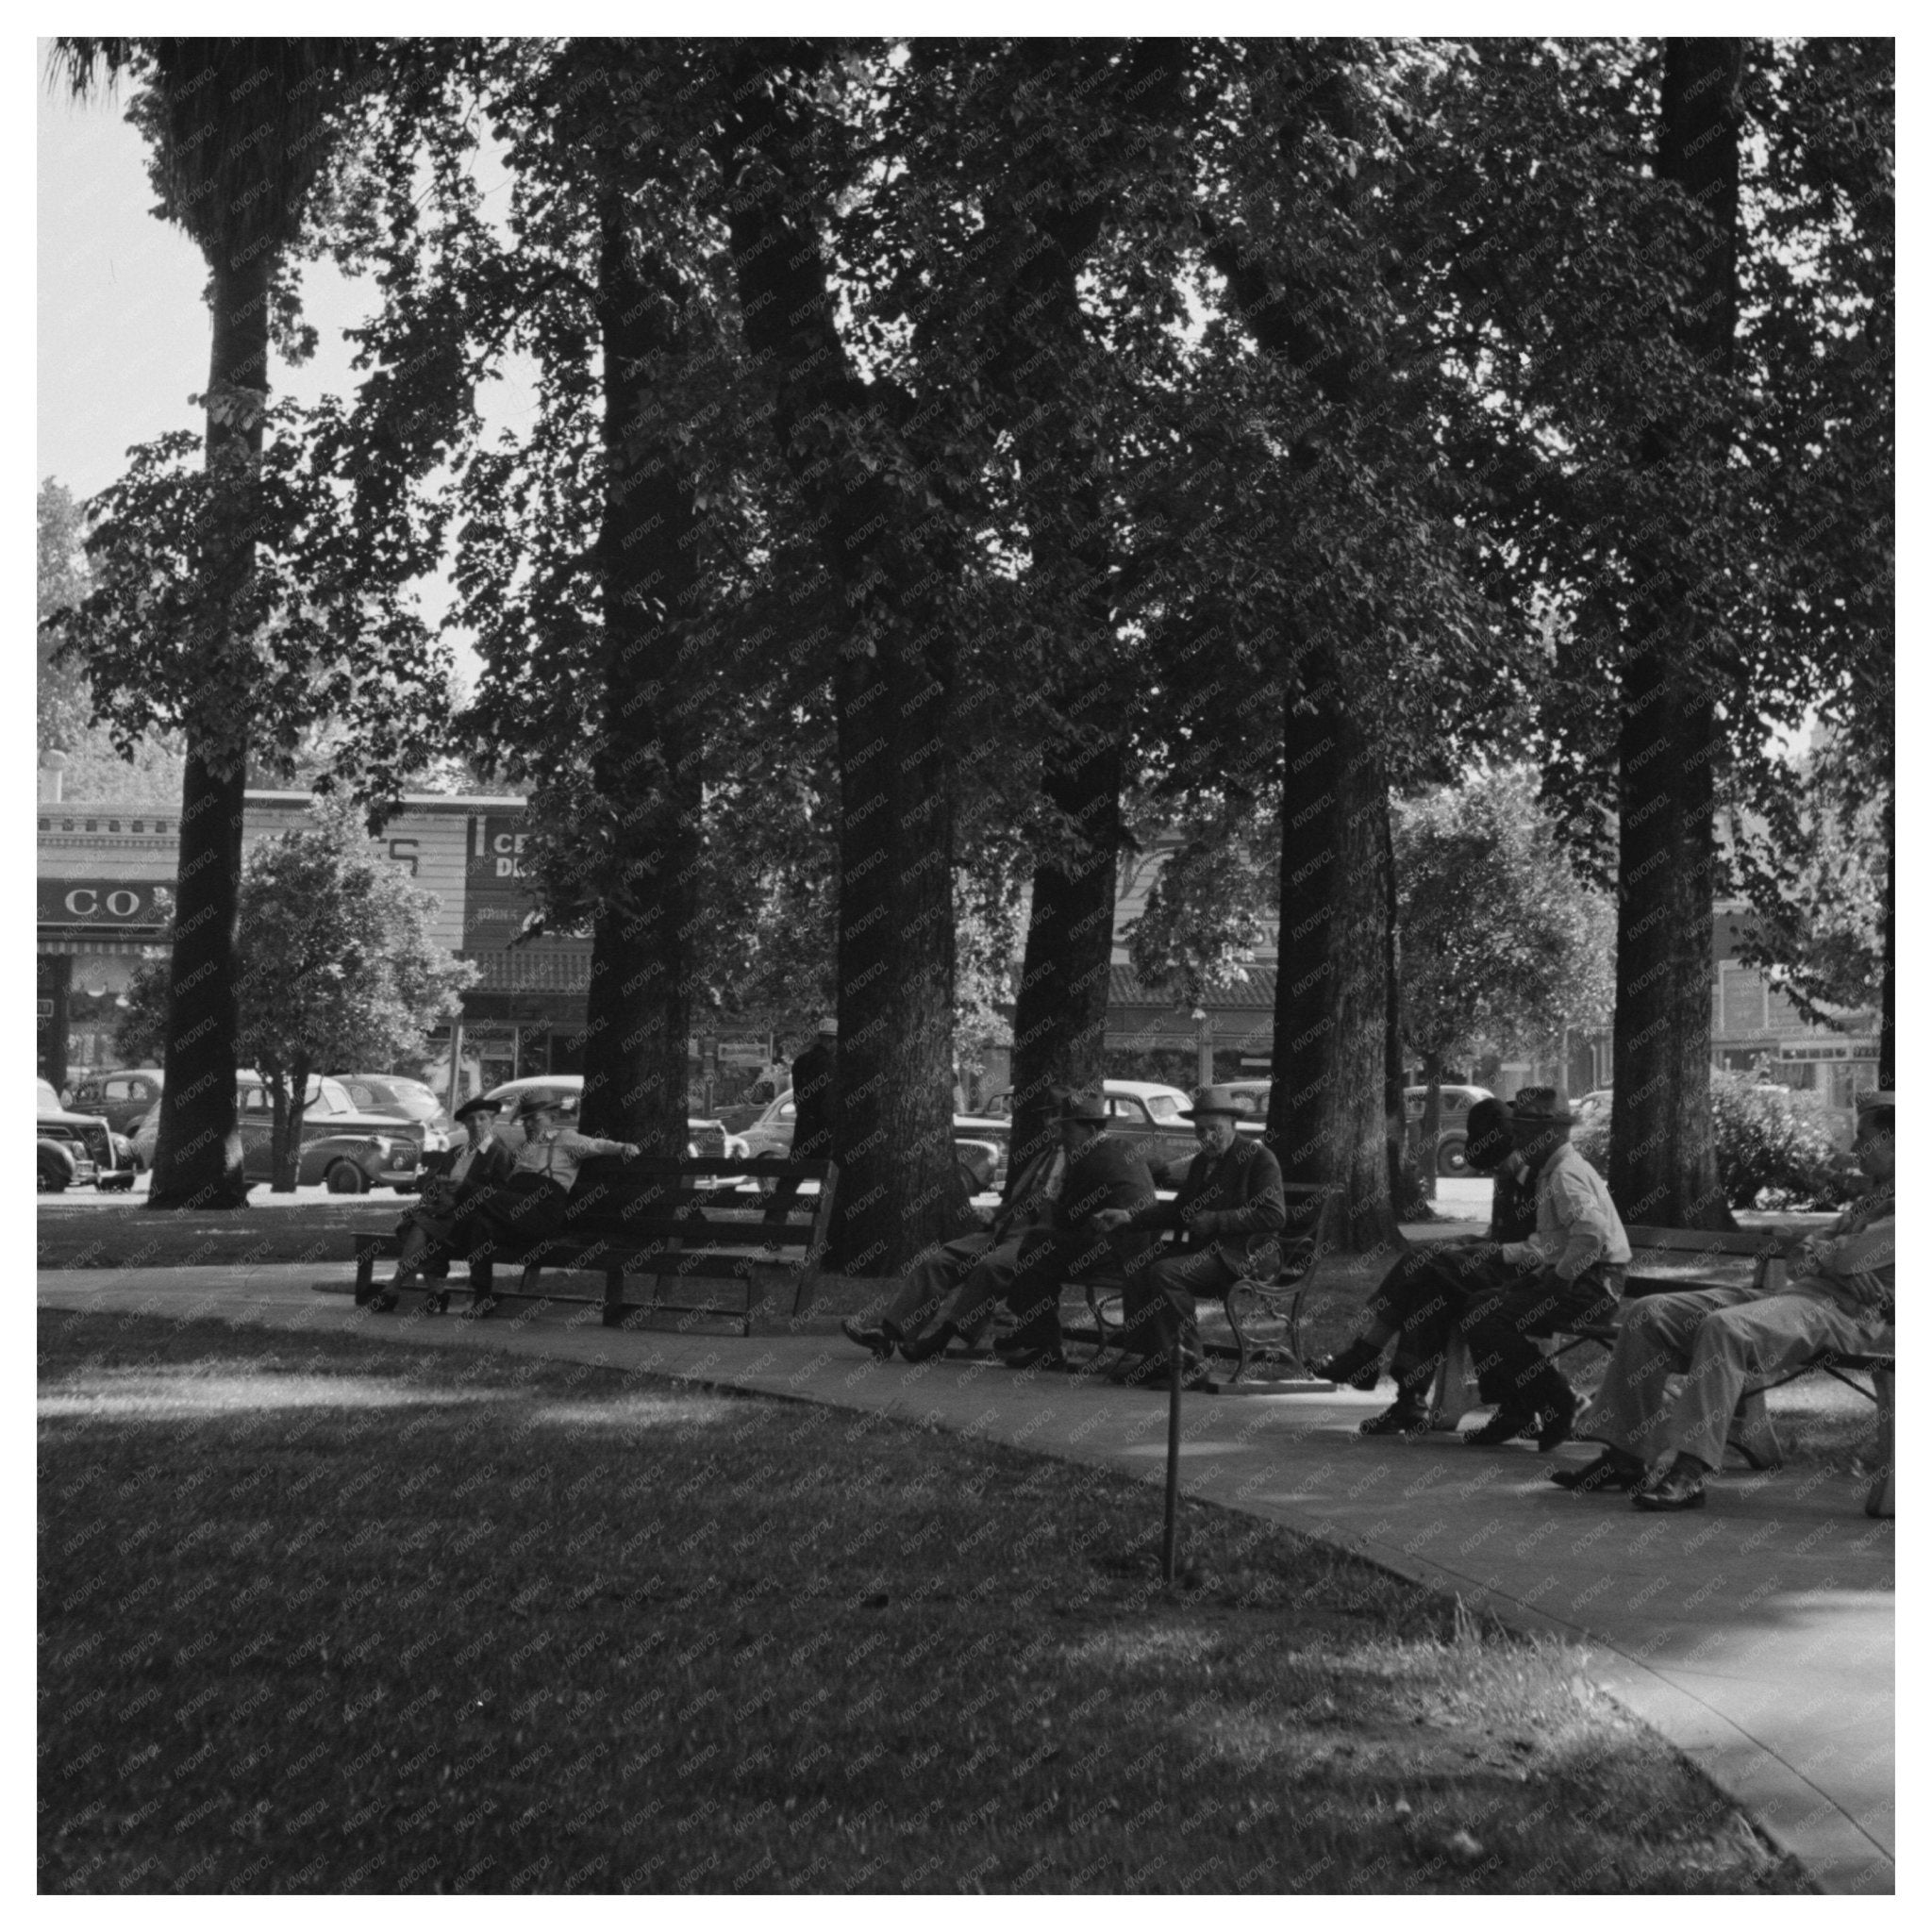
343	1615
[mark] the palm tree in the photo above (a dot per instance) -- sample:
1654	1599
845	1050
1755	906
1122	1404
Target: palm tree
239	131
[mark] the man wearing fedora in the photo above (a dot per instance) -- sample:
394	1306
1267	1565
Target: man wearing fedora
1229	1212
1570	1271
446	1212
1106	1181
1417	1304
1839	1294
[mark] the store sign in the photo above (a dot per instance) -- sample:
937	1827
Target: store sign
1827	1050
496	901
104	902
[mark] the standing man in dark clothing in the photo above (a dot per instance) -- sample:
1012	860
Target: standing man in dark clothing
1417	1302
1105	1182
1230	1212
815	1095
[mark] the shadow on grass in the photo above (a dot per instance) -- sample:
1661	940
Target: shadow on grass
344	1616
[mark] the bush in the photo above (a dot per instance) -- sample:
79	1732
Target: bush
1772	1149
1775	1148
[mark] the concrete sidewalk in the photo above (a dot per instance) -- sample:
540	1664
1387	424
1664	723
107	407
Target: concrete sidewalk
1756	1635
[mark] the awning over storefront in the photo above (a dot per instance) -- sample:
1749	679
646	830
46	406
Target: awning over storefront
93	940
1239	1018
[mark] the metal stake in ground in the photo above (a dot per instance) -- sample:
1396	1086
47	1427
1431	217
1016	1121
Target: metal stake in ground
1174	1463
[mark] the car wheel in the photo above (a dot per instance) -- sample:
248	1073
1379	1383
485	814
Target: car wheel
1452	1156
345	1177
51	1173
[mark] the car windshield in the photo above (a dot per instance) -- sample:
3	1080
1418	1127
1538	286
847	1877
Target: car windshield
49	1102
1163	1106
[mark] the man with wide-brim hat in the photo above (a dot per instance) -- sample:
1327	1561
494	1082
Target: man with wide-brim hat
1103	1176
534	1200
448	1210
1839	1294
1432	1285
1568	1272
1229	1215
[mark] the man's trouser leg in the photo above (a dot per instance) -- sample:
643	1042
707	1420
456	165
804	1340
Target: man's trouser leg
985	1288
1720	1340
1503	1319
1421	1297
1047	1257
1160	1301
917	1301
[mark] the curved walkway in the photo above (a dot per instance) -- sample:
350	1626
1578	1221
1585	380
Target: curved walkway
1756	1635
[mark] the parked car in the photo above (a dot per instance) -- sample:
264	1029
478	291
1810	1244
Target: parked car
1150	1116
119	1097
708	1140
75	1150
393	1094
1593	1110
342	1149
980	1141
1452	1137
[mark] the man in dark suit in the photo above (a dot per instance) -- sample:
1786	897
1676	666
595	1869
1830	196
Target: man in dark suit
456	1195
952	1292
1103	1176
1230	1212
815	1095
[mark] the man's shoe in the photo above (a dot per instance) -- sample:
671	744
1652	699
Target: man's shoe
436	1300
1402	1419
1557	1420
875	1340
1503	1426
1048	1359
1678	1489
1351	1367
923	1348
1610	1471
382	1301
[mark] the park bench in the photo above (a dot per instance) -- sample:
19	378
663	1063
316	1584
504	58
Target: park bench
1263	1313
684	1228
1667	1260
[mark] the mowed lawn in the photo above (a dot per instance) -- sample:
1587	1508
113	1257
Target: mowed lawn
349	1615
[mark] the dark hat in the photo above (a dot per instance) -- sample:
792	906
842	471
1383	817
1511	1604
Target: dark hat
1073	1105
1535	1107
481	1104
1489	1133
1884	1098
1215	1100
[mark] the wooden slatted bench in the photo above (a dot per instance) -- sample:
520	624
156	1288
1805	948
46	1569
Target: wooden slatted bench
1668	1260
1263	1313
677	1224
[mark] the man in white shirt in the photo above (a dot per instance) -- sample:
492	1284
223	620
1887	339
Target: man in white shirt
1838	1295
1570	1269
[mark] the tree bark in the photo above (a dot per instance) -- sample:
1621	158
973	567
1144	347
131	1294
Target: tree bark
1326	1110
198	1151
1663	1158
647	760
839	436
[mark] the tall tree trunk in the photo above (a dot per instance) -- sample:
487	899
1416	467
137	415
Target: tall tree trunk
839	436
1060	1016
1888	1018
1326	1110
1411	1189
198	1152
1663	1158
647	757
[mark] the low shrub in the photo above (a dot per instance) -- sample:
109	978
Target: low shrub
1775	1148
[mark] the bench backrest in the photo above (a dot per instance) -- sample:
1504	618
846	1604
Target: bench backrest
652	1202
1700	1241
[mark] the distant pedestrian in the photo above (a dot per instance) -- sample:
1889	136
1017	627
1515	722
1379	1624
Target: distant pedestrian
815	1095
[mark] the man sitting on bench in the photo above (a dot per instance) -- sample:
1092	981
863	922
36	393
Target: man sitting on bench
1839	1296
1229	1211
952	1293
1106	1181
1418	1303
